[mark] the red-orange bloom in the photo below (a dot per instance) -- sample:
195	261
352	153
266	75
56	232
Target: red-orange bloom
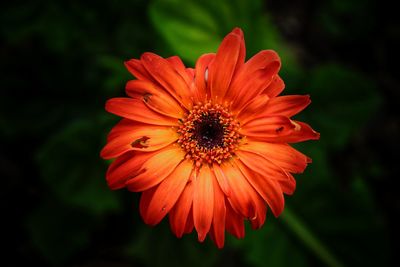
208	146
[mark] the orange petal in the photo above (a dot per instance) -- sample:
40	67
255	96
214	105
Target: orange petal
154	97
281	155
136	110
178	215
268	128
190	72
234	222
165	74
261	211
267	187
242	49
253	86
178	65
186	73
253	109
222	180
288	186
258	163
288	105
128	135
224	66
145	199
201	78
241	197
126	167
203	202
275	87
217	232
255	75
168	192
189	223
278	129
156	168
136	68
302	132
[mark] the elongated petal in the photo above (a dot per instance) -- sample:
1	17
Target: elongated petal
222	180
186	73
145	199
125	167
302	132
217	232
189	223
168	192
128	135
242	48
136	110
275	87
201	77
179	214
288	186
280	154
252	87
241	197
165	74
268	128
255	75
190	72
224	66
286	105
258	163
253	109
261	212
234	222
136	68
178	65
268	188
154	97
156	169
203	202
278	129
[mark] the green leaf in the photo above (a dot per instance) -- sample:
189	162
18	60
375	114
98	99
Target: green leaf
187	27
192	28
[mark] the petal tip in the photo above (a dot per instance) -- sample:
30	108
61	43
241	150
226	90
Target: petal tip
103	153
238	31
201	236
148	56
316	135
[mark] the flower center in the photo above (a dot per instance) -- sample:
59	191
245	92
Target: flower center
208	131
209	134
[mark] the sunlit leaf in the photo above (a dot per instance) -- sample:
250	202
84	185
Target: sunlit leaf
192	28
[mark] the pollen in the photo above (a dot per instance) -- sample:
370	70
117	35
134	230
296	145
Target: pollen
209	134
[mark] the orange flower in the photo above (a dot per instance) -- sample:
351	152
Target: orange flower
208	146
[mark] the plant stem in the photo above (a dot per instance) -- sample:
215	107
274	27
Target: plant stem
310	240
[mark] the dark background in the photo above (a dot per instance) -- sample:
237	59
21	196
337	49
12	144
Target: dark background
60	62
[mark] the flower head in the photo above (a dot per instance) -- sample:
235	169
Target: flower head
208	146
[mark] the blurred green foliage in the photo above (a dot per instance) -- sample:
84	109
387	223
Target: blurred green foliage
76	52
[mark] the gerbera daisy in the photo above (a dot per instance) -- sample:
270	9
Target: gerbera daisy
208	146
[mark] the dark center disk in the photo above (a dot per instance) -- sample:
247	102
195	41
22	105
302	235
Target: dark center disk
209	132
